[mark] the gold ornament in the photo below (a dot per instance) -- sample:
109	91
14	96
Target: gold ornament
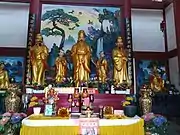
145	100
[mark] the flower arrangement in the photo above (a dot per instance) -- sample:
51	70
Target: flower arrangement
35	102
155	124
128	101
10	123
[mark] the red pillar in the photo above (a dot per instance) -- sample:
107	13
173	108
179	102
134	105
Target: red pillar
35	8
177	26
33	29
128	39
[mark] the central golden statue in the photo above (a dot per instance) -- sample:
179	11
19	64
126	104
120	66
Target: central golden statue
102	67
61	67
81	55
38	57
119	56
4	78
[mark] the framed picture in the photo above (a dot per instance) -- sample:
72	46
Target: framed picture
15	68
48	111
89	126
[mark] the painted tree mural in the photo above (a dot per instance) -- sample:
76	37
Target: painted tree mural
109	30
58	16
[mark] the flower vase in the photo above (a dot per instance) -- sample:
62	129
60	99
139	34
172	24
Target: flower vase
36	110
145	100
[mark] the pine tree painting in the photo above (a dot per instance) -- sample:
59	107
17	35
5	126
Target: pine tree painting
60	25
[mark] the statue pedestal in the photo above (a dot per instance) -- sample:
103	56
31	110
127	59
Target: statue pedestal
2	102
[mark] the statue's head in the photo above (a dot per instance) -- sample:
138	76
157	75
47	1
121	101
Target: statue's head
119	42
81	35
61	53
39	38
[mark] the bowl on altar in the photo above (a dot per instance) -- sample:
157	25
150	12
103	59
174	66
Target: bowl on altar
130	110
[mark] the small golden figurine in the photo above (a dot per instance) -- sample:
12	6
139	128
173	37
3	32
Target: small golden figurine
156	82
119	56
38	56
61	67
102	68
4	78
81	55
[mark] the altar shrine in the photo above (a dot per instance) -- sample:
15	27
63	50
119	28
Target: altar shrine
88	67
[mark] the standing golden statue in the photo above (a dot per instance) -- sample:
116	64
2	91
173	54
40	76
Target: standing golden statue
156	82
4	78
81	55
102	67
61	67
38	57
119	56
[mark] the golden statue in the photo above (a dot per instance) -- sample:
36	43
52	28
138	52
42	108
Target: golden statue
119	56
156	82
61	67
81	55
4	78
102	68
38	57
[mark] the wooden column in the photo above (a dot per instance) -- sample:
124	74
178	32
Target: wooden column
33	29
35	8
128	38
177	27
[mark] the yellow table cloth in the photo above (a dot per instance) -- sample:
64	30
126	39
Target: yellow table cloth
132	129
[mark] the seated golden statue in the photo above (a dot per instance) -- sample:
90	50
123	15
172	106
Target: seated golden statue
81	55
156	82
38	57
102	68
4	78
119	56
61	67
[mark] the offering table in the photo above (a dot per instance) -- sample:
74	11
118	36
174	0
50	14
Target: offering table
41	125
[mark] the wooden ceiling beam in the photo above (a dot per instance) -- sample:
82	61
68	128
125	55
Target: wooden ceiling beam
149	4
